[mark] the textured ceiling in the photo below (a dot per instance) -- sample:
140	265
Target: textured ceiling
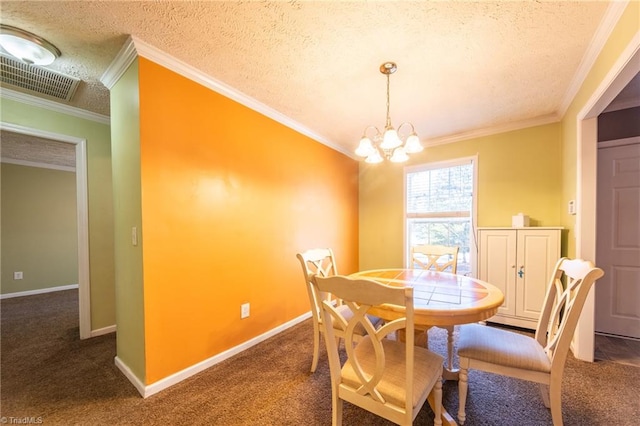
462	66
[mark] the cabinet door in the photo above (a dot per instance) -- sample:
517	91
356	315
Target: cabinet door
497	263
538	252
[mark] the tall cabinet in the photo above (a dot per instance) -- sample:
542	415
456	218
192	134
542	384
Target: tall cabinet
519	261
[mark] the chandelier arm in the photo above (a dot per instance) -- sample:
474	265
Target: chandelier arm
413	130
377	135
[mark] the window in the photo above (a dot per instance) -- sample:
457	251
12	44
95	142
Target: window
440	207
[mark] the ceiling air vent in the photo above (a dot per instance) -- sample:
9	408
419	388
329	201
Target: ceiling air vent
36	80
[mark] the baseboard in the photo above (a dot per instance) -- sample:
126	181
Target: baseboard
103	331
39	291
617	336
147	391
129	375
514	322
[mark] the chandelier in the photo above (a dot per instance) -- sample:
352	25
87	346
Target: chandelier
391	144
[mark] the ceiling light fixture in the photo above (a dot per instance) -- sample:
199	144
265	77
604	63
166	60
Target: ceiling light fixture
27	47
388	144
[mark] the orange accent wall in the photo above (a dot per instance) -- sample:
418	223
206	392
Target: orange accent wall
229	197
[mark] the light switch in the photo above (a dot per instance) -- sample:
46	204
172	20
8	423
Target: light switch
244	310
134	236
572	207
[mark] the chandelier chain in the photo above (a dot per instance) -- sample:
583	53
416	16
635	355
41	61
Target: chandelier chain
388	103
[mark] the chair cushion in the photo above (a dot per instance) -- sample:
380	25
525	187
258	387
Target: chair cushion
427	369
502	347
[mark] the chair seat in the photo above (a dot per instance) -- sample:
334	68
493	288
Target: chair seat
502	347
427	369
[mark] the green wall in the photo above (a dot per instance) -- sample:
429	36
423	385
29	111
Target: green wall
39	228
626	29
98	139
518	171
127	196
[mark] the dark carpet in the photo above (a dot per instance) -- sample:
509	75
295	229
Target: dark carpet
49	376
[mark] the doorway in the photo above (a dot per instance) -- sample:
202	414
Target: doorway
84	301
618	236
621	73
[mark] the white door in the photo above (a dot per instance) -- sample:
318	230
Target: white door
537	256
497	264
618	241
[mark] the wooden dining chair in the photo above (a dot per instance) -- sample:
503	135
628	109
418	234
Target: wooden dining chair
321	262
442	259
390	378
541	358
435	257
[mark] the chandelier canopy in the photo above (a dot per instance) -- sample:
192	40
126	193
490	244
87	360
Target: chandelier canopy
391	144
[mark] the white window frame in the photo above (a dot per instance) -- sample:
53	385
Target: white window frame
473	243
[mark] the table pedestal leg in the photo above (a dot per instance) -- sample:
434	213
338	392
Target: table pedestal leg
421	338
449	372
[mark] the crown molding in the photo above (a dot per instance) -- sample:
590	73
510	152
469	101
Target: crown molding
54	106
137	47
494	130
612	15
120	63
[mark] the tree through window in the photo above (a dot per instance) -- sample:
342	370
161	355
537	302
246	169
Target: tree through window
439	207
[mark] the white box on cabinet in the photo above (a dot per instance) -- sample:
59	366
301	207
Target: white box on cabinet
519	221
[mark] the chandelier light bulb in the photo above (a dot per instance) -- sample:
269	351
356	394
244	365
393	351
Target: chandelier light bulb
365	148
374	158
399	156
390	139
413	144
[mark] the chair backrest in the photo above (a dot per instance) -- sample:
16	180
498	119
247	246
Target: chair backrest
434	257
318	261
562	307
360	295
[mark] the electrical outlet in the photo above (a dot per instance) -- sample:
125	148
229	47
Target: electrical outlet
244	310
17	275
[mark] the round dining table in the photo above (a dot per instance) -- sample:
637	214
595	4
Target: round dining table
440	299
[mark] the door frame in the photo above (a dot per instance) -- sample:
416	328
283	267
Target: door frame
622	71
82	208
